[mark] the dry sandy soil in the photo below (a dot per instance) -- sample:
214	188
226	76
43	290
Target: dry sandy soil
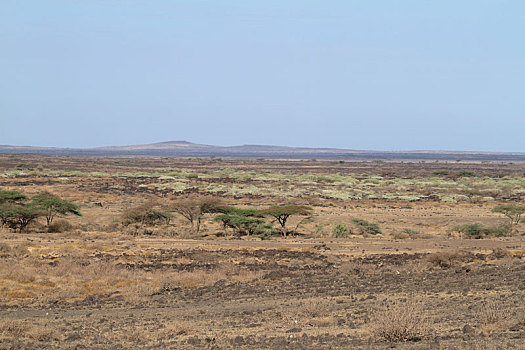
96	286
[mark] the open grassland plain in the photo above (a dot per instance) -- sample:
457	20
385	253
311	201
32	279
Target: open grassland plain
387	256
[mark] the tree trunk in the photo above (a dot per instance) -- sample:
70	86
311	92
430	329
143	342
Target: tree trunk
198	226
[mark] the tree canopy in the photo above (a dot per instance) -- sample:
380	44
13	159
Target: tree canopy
145	214
511	211
18	216
193	209
283	212
7	196
51	205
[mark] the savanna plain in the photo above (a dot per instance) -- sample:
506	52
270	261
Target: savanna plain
210	253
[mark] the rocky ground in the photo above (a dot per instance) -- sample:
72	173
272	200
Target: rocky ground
295	294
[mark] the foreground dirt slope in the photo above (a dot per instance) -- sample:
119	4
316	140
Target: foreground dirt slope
297	294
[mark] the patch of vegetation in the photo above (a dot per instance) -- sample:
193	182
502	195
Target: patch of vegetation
366	227
282	213
51	205
340	230
441	172
60	226
194	209
466	173
511	211
145	214
14	213
399	322
478	231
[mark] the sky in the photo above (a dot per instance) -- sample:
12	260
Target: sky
377	75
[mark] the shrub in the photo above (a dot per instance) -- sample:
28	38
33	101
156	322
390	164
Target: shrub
400	235
399	322
446	260
491	313
366	227
60	226
511	211
145	215
467	173
319	230
441	172
478	231
340	230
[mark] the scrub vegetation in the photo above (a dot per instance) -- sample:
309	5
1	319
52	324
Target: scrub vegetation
159	252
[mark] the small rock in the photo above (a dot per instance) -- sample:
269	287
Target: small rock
73	337
294	330
468	329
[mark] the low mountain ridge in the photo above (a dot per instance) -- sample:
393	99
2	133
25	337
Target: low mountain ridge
189	149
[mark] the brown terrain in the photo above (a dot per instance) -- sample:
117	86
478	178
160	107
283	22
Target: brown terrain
413	281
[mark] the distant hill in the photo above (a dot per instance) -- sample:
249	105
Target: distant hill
188	149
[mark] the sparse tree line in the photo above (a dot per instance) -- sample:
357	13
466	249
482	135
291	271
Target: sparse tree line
17	211
235	220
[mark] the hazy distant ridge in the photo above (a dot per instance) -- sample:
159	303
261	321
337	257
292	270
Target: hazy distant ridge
188	149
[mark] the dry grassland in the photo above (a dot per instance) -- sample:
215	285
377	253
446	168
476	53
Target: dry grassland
418	284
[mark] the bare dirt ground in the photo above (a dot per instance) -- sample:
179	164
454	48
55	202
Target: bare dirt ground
95	286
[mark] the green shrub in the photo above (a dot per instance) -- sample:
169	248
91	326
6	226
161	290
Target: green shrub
366	227
319	230
340	230
478	231
441	172
466	173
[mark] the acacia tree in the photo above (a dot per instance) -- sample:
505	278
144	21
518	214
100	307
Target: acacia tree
282	213
511	211
15	214
51	205
194	209
18	216
241	221
145	214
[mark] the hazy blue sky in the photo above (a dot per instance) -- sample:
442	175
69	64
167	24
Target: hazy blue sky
391	75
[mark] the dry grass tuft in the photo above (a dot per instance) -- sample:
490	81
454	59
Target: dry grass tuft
400	322
18	329
446	260
492	314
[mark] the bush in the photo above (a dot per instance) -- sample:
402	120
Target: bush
340	230
466	173
441	172
492	313
145	215
399	322
478	231
60	226
447	260
511	211
366	227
